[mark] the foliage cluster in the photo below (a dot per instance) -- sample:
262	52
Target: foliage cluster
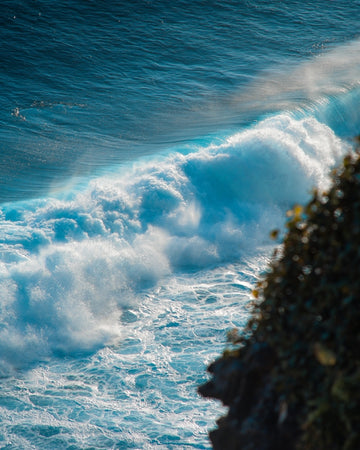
307	313
310	314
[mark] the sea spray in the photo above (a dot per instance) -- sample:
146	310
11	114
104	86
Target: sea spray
321	81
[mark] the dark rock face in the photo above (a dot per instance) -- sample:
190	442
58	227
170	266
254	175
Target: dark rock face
294	383
254	420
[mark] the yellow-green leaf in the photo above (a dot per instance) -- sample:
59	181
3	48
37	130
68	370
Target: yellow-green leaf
325	356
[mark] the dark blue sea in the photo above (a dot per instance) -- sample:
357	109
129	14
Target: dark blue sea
147	150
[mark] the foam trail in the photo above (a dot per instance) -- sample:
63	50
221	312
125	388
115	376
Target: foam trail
68	266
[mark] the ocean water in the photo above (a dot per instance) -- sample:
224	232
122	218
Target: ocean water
147	150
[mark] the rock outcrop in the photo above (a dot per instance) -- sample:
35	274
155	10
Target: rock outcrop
293	382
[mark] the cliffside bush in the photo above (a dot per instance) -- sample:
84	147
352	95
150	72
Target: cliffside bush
294	383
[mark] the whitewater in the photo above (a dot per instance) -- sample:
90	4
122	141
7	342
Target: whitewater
135	215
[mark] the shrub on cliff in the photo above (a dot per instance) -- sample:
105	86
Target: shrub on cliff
294	383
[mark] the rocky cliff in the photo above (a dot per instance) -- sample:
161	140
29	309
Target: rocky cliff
293	382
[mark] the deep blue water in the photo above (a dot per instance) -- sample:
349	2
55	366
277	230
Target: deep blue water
147	149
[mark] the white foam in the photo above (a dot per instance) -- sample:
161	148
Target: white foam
142	392
70	265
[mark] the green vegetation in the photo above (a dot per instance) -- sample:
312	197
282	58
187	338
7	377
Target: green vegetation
294	382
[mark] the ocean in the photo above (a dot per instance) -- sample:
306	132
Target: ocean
148	148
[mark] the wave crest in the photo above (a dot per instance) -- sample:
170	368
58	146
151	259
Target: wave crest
68	266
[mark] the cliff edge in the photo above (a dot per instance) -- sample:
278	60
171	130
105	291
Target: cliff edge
292	380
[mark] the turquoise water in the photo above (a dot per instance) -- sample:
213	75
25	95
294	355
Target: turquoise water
147	150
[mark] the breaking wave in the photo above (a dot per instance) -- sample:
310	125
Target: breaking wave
70	263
